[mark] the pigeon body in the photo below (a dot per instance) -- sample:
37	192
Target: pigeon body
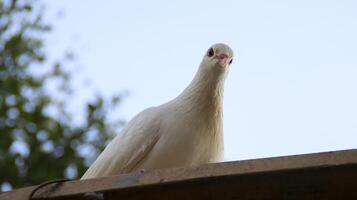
187	130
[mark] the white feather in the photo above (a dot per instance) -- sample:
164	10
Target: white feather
185	131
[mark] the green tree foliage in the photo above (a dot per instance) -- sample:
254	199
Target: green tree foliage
35	144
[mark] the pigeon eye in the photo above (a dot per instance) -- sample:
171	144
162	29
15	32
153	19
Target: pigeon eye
230	62
210	52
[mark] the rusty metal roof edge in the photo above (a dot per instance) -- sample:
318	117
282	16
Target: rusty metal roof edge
145	178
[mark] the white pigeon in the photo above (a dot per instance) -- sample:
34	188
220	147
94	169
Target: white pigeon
187	130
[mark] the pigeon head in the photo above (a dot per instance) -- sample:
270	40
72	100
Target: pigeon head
218	56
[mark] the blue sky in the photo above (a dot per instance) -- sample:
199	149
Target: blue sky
292	88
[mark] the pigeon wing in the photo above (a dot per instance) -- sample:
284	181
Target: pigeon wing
129	148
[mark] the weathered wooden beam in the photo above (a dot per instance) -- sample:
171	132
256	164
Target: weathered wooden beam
328	175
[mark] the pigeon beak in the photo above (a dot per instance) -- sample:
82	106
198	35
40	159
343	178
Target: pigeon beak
222	59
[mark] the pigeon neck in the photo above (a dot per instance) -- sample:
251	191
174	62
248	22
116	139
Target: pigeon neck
205	92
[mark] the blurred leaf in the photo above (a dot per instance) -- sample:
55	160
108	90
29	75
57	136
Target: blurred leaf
39	140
